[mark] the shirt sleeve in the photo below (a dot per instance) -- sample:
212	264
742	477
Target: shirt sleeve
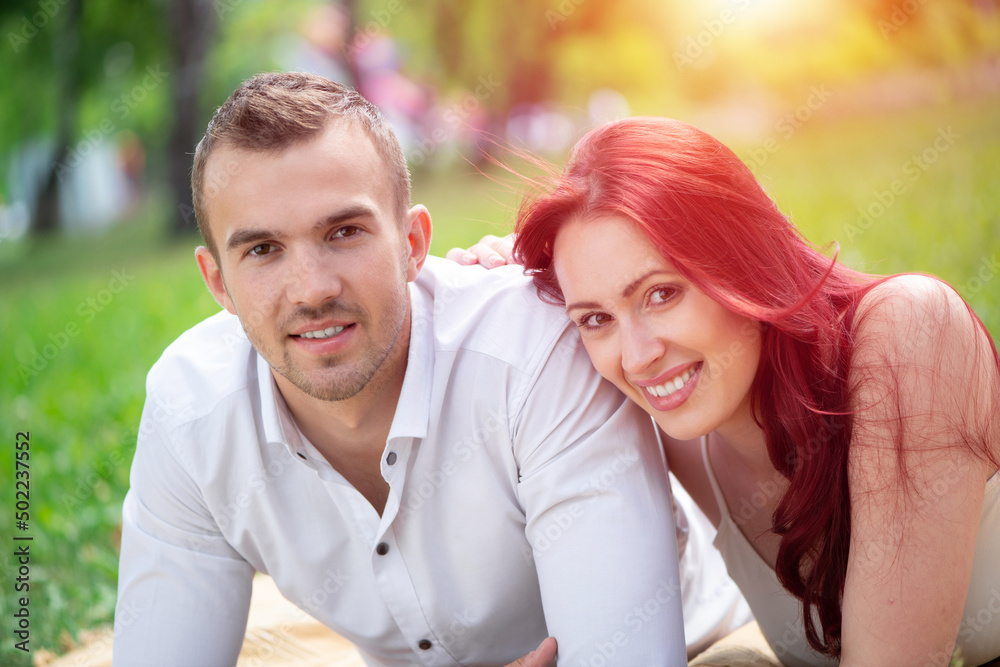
594	488
183	592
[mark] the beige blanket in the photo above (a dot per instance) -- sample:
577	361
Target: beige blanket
279	634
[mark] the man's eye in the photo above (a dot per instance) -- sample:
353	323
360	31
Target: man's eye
350	230
261	249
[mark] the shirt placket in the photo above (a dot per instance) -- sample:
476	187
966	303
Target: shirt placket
392	577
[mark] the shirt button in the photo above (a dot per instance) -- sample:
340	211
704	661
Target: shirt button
382	549
391	458
424	644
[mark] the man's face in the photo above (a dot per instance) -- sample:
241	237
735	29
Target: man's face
314	261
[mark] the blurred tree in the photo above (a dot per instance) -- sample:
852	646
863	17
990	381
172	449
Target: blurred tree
193	25
66	59
75	75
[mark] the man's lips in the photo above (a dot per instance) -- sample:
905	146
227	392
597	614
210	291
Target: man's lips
320	330
315	340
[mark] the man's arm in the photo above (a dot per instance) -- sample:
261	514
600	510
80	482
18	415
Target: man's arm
183	593
597	503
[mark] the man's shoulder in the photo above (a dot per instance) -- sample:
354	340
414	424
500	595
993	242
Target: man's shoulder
496	312
204	365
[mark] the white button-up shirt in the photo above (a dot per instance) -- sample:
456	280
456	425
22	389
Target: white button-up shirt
527	497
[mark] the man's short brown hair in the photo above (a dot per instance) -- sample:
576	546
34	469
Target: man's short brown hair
270	112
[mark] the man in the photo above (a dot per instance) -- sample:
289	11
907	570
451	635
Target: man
418	453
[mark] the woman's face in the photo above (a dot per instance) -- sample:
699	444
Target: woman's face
679	354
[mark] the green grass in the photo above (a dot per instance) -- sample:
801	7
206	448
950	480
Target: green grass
81	397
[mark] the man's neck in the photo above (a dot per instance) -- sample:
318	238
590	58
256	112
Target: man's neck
351	434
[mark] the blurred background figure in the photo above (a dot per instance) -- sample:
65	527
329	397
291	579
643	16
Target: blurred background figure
321	46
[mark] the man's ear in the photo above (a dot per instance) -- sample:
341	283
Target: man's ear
212	276
418	238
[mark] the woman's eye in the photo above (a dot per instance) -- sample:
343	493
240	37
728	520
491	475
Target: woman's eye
595	320
261	249
662	294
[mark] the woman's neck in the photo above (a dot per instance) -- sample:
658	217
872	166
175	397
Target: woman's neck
744	439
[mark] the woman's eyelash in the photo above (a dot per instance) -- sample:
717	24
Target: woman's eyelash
584	322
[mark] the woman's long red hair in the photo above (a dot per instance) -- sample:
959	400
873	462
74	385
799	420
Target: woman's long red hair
705	211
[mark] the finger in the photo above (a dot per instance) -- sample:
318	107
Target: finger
505	247
543	656
461	256
486	255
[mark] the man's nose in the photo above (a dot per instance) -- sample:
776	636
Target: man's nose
312	278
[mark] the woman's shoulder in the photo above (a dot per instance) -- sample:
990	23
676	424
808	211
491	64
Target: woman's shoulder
910	315
920	352
903	296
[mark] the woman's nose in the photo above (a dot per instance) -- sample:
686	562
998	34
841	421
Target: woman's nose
641	346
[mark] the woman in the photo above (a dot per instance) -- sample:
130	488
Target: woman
839	428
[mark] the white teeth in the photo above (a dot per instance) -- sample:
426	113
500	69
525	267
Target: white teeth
323	333
670	386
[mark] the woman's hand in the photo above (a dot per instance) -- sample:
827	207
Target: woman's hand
490	252
543	656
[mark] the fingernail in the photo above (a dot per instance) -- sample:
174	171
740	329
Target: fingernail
495	260
469	258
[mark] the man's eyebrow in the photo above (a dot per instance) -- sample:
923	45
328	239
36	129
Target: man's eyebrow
245	237
627	292
343	215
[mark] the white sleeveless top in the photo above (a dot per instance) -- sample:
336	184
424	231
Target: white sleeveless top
779	613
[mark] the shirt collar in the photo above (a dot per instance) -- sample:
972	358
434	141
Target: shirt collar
413	410
279	428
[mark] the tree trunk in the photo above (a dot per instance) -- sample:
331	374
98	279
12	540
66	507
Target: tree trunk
193	25
66	51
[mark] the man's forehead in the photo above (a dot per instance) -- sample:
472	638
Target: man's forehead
342	144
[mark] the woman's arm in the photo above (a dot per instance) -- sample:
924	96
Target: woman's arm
925	387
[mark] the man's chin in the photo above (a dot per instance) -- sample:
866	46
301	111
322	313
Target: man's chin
321	386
